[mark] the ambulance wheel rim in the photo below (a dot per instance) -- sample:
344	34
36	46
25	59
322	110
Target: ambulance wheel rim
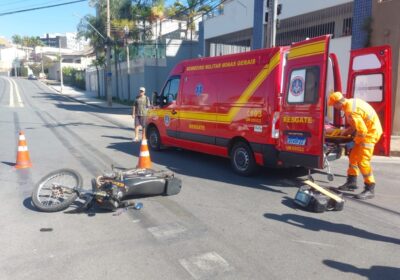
154	139
241	159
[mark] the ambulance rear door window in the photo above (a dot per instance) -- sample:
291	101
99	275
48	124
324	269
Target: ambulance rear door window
304	85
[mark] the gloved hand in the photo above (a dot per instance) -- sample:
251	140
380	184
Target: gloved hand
350	145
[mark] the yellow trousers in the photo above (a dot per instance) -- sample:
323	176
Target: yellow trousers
360	161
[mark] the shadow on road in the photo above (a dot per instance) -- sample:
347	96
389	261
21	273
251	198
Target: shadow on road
375	272
29	205
321	225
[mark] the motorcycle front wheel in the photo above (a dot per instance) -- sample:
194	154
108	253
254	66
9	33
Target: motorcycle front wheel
57	190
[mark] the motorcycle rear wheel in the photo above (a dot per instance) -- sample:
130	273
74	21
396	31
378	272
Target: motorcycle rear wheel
55	191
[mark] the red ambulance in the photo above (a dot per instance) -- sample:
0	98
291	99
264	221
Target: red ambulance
267	107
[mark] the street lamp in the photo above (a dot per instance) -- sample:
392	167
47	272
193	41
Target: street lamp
126	30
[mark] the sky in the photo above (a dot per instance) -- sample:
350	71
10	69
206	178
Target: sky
38	23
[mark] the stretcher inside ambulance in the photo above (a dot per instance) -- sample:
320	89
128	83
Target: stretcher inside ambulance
268	107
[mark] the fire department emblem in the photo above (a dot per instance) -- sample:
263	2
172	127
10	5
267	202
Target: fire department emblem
167	120
297	86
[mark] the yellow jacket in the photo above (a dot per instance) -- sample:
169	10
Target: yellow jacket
363	118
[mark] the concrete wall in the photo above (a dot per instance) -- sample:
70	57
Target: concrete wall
386	31
148	72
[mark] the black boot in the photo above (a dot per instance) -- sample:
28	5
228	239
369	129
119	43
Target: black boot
368	192
350	185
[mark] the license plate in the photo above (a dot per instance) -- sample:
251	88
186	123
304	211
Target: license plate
296	140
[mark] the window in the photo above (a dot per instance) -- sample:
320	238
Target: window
346	31
369	87
303	87
170	91
367	61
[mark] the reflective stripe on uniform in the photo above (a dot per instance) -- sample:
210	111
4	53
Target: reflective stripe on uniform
366	175
367	145
371	115
353	166
354	107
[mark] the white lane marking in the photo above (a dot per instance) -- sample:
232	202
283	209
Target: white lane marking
314	243
206	266
20	103
11	93
167	231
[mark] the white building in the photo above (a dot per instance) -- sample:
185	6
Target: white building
11	56
232	30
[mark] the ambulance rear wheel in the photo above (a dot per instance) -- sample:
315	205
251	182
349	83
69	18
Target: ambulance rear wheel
154	138
242	159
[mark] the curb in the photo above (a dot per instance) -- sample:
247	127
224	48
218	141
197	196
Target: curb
395	153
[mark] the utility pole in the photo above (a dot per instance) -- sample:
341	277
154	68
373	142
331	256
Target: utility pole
61	72
108	58
273	29
41	54
126	29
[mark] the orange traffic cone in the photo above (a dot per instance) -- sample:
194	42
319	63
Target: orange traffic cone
144	156
23	159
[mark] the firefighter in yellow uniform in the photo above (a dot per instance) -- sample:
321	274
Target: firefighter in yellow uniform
364	124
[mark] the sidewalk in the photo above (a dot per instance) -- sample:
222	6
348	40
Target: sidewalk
81	96
90	98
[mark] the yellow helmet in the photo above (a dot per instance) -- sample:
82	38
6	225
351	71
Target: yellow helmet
334	97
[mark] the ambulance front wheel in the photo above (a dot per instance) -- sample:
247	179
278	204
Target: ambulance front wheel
242	159
154	138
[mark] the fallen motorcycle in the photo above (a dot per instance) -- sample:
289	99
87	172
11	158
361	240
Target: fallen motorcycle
59	189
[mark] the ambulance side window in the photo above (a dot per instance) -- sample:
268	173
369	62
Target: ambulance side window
304	85
170	91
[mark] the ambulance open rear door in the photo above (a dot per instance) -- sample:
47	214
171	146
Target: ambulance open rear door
370	79
302	115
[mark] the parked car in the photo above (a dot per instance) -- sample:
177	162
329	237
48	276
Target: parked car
32	77
42	76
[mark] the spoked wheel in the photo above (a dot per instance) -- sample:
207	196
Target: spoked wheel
55	191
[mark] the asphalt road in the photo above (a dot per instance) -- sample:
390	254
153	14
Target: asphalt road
221	226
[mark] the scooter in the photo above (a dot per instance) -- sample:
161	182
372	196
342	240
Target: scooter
59	189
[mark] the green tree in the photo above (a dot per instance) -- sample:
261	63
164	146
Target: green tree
16	39
27	41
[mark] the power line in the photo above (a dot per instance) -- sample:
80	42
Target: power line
27	5
40	8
